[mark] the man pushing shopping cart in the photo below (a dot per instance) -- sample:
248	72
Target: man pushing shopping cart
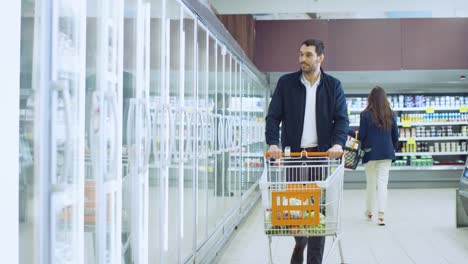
311	108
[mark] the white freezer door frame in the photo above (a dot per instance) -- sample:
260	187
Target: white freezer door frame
106	131
10	17
139	141
59	126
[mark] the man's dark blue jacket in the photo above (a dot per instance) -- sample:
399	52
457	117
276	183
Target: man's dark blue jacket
287	106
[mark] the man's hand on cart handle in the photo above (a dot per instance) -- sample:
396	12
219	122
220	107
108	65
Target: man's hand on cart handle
275	152
335	152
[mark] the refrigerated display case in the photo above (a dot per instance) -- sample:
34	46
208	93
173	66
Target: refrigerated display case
103	185
156	168
253	107
200	193
204	135
172	204
213	149
187	143
52	125
137	131
28	224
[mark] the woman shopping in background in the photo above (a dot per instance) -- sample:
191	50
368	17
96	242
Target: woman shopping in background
378	133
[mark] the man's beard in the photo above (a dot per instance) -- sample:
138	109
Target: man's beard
309	68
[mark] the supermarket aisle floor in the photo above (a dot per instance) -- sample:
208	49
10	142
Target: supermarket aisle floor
420	229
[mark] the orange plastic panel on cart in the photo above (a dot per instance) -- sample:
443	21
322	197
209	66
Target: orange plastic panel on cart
281	211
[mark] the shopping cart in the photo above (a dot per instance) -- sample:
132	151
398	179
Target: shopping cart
302	195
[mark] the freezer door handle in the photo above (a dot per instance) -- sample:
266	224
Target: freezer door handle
148	134
62	87
213	132
172	135
202	133
130	132
221	130
111	98
188	140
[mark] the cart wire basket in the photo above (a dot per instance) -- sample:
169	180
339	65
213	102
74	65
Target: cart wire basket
353	152
302	195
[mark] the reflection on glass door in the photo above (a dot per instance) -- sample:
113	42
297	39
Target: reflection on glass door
187	191
158	119
212	155
220	136
228	135
104	125
138	128
244	129
203	135
28	194
58	82
174	172
234	165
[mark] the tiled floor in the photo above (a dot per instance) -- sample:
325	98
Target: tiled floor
420	229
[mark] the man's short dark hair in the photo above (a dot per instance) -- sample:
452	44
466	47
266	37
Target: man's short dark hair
318	44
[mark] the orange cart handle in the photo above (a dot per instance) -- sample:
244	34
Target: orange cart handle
301	154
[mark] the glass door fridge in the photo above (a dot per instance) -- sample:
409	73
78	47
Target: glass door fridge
57	99
212	204
173	134
137	143
159	123
203	135
103	186
28	186
188	103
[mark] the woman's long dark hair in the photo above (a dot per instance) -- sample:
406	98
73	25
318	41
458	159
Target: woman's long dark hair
378	106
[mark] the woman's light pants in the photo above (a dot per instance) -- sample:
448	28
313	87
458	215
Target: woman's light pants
377	180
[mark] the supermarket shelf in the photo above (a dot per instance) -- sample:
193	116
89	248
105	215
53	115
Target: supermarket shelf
426	123
435	138
400	154
436	123
440	108
410	109
418	168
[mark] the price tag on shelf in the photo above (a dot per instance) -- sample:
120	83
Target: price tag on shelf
411	141
463	109
430	110
406	123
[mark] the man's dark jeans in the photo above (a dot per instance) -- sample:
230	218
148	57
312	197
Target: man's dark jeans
315	248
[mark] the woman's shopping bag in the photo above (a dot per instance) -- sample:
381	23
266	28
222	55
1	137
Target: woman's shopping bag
353	152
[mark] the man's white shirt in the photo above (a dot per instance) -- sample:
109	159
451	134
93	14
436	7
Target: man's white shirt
309	132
